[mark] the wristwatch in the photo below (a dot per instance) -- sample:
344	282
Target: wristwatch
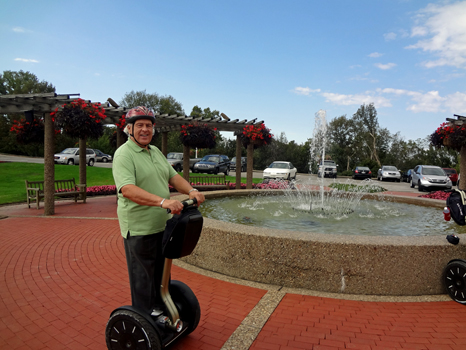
192	189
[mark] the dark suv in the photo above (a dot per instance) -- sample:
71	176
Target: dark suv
243	163
213	164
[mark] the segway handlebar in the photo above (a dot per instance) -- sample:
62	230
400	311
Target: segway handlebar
187	203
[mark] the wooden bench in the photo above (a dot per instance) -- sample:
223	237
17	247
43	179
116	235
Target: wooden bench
63	188
209	183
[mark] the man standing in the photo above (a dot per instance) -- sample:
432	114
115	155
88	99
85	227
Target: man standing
142	175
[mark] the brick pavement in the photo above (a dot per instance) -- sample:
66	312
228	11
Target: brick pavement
63	275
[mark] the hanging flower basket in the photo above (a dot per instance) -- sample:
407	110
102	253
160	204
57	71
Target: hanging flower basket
198	136
28	132
80	119
122	122
450	136
258	135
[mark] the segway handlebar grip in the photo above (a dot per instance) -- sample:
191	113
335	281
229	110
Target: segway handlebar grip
186	204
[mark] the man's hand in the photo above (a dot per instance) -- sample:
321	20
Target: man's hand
198	195
175	206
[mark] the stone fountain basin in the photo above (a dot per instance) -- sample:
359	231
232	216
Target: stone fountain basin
349	264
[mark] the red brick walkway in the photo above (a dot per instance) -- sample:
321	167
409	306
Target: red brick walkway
61	277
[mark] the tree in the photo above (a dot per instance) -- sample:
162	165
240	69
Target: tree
205	113
12	83
343	142
159	104
366	120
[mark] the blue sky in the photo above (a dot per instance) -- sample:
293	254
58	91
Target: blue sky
277	61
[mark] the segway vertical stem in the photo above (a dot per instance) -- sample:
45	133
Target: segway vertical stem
175	323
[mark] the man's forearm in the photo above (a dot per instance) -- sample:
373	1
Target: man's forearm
140	196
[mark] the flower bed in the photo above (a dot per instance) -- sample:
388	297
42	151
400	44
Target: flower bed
441	195
101	190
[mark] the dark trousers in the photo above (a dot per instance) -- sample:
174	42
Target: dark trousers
145	268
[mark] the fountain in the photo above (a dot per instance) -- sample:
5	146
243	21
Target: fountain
317	258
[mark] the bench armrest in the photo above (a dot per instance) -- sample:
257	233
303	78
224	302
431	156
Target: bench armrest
37	189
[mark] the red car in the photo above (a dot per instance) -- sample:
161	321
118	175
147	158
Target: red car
452	174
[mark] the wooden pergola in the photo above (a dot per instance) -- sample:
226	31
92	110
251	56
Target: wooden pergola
46	103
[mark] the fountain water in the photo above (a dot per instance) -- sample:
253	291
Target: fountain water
329	203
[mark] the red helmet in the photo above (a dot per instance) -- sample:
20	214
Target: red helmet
139	112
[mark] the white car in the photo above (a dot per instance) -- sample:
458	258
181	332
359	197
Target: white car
280	170
430	177
70	156
389	172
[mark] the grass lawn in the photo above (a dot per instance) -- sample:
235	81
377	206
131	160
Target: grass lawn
13	175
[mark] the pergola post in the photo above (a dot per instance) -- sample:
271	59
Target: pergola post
462	184
82	162
49	165
238	161
186	150
250	161
164	143
120	138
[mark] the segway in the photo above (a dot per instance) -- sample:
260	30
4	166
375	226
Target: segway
454	274
130	328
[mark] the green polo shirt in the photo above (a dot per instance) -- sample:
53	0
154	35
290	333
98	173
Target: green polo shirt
149	170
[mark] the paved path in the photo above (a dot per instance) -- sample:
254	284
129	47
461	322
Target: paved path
63	275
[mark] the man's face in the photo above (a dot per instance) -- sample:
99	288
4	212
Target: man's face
143	131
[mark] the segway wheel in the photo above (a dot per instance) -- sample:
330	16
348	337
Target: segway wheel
186	303
128	330
455	280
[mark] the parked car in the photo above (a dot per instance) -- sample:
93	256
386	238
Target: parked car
243	163
362	172
102	157
280	170
70	156
407	175
329	168
452	174
213	164
430	177
388	172
176	161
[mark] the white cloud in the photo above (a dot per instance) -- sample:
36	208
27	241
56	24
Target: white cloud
389	36
419	31
430	102
456	103
19	30
357	99
375	54
444	29
304	90
385	66
26	60
426	102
